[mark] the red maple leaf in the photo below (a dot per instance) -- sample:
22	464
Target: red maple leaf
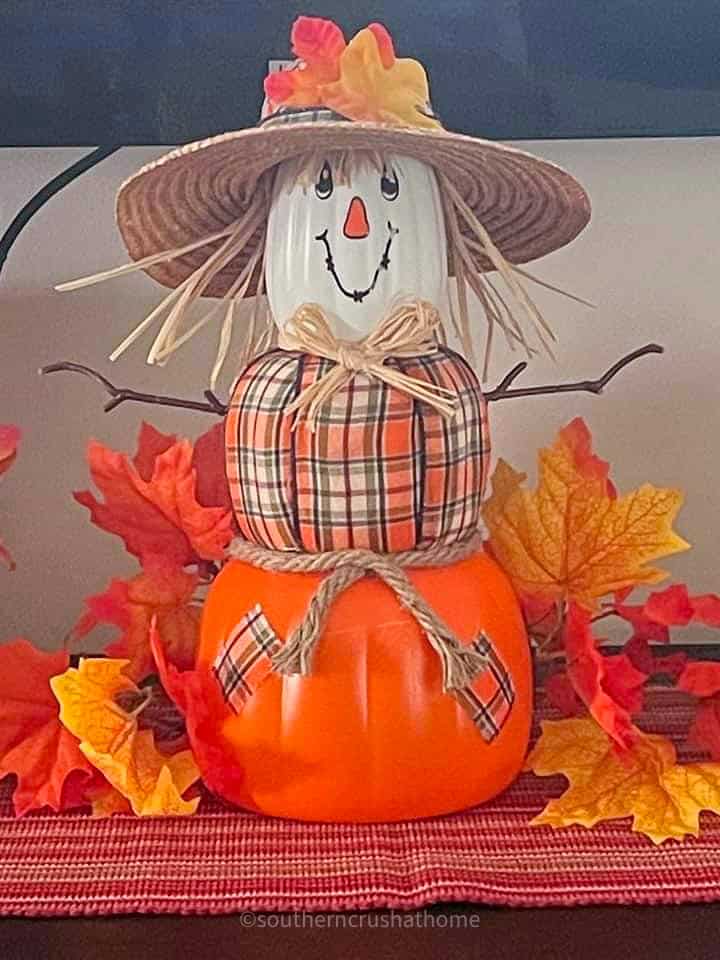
209	463
587	671
151	502
640	654
704	733
706	609
701	678
163	593
34	745
619	678
624	682
643	626
318	43
671	607
563	696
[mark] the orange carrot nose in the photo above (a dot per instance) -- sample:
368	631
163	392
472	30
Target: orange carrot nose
356	222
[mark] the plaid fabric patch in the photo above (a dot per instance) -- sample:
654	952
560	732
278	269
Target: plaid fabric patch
382	471
245	659
490	696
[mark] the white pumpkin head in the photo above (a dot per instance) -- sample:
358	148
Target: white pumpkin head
354	240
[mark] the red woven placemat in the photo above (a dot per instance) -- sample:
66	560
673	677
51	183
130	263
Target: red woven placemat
222	860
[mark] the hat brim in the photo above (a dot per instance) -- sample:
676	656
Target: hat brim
529	206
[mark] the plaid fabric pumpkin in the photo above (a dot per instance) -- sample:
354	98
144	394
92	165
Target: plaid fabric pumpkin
382	471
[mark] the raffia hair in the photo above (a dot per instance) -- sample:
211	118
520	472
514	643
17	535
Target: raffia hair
471	254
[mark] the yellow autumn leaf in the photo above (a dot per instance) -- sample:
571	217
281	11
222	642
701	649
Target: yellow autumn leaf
106	801
664	798
110	738
392	92
569	539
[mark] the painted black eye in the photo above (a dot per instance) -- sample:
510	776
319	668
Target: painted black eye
389	186
324	183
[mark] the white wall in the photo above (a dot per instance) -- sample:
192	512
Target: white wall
649	259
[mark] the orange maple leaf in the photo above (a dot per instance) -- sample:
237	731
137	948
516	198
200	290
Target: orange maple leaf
151	503
151	443
34	746
664	798
111	739
9	440
572	538
162	592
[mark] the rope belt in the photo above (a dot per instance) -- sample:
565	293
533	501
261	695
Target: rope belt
460	663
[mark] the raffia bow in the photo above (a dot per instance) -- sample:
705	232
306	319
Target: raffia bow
409	330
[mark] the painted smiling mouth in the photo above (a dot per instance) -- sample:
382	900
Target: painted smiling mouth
358	295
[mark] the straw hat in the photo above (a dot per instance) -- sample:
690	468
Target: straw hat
340	97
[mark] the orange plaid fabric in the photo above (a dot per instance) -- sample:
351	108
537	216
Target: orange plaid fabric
245	659
382	471
490	696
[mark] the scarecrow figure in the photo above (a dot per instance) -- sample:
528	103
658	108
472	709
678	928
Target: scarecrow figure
371	656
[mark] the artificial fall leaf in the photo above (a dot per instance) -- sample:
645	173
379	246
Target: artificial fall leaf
113	742
706	609
151	443
672	607
562	695
362	80
318	43
9	440
588	673
209	464
374	85
543	620
637	650
34	745
644	628
664	798
577	438
162	590
704	732
621	681
701	678
106	801
569	539
624	682
159	516
197	695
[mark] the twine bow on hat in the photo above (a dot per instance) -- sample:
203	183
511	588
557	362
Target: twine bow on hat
409	330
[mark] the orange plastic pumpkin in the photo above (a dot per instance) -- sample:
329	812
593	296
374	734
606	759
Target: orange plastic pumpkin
370	734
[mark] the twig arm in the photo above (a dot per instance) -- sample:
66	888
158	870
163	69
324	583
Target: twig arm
502	391
119	395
